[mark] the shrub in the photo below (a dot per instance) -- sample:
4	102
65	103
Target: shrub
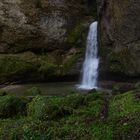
33	91
3	92
45	108
74	101
10	106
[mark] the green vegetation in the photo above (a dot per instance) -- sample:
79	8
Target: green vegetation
17	66
48	67
34	91
69	62
13	64
3	92
92	116
11	106
122	61
75	33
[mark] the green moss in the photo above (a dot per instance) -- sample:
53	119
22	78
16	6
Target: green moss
48	67
104	51
69	62
18	64
11	106
47	58
75	33
34	91
55	65
122	61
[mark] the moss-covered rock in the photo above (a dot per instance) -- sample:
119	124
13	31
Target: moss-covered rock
70	63
17	65
29	66
48	66
119	38
42	27
75	34
123	61
34	91
35	28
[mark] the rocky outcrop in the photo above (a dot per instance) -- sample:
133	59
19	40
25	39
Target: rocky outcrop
52	31
119	38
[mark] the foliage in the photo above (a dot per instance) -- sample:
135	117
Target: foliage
3	92
75	33
69	62
78	117
34	91
13	64
11	106
45	108
122	61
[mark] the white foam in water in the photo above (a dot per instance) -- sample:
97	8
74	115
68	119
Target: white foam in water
91	62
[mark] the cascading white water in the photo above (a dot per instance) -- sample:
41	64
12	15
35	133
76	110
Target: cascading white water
91	62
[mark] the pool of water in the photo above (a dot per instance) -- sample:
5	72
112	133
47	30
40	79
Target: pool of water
61	88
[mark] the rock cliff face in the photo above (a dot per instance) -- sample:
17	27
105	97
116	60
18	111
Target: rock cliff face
38	24
42	37
119	37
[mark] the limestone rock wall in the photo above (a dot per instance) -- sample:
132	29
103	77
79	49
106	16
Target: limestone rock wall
119	37
52	31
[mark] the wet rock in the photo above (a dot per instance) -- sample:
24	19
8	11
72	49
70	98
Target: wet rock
44	27
36	25
93	91
119	38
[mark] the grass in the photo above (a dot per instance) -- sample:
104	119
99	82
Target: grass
93	116
11	106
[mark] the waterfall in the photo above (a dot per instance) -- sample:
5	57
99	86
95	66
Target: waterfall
91	62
